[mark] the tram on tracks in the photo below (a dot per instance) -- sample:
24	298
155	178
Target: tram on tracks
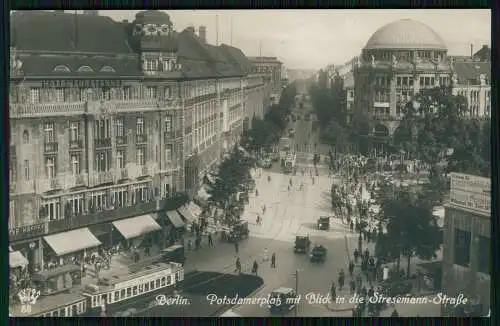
114	294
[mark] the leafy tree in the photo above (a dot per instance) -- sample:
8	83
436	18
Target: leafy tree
233	177
412	229
336	135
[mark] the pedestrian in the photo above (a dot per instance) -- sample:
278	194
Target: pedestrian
236	247
341	279
367	253
352	286
356	255
258	219
255	268
333	292
351	268
351	225
238	265
210	240
273	260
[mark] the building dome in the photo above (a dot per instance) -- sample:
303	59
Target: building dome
405	34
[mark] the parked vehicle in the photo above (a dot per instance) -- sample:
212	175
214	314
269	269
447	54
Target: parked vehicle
302	244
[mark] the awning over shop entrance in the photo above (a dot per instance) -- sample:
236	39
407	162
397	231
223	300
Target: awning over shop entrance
195	209
72	241
176	220
16	259
136	226
184	212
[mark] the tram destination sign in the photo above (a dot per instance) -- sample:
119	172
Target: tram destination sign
81	83
470	192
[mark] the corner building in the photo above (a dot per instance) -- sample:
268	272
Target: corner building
399	60
110	120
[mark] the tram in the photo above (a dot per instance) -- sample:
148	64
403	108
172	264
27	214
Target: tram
116	293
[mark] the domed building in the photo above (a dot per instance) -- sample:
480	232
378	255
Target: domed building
399	60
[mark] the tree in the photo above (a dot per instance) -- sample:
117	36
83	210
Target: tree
336	135
233	177
412	228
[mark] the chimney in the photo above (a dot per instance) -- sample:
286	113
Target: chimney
190	29
471	50
202	33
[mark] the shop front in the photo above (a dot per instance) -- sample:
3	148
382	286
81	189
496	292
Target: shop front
64	257
136	232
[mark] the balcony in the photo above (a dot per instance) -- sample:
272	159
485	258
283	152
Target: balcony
33	110
88	219
129	105
144	170
50	148
28	231
122	174
103	177
77	180
48	184
75	145
121	140
102	143
141	139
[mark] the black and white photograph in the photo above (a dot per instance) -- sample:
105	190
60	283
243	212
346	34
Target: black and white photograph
250	163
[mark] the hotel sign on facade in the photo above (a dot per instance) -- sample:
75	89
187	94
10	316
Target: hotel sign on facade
470	192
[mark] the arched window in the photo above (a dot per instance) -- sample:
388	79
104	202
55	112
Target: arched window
85	69
107	69
61	68
26	137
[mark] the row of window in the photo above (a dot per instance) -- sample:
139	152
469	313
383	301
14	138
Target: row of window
102	162
62	68
100	200
89	94
101	129
69	311
403	55
159	65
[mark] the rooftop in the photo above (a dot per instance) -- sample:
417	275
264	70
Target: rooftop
468	71
405	34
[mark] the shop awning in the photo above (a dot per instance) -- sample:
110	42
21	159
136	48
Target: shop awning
184	212
16	259
195	209
136	226
176	220
72	241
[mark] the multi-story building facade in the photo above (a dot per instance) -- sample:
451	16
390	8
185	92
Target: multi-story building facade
399	60
471	79
467	245
271	67
106	118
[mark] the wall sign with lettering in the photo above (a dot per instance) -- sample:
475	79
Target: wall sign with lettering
81	83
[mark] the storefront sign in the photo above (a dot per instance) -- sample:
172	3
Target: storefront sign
27	231
144	279
469	200
470	183
81	83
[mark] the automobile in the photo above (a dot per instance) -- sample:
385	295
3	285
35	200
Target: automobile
302	244
323	223
267	163
239	231
318	254
275	157
174	254
282	299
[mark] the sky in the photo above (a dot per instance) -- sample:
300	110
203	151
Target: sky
313	39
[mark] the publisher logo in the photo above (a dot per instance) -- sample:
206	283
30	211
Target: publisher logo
27	297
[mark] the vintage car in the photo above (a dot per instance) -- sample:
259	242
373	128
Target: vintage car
266	163
238	231
318	254
174	254
302	244
282	300
323	223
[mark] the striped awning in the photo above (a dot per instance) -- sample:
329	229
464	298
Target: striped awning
72	241
16	259
184	212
